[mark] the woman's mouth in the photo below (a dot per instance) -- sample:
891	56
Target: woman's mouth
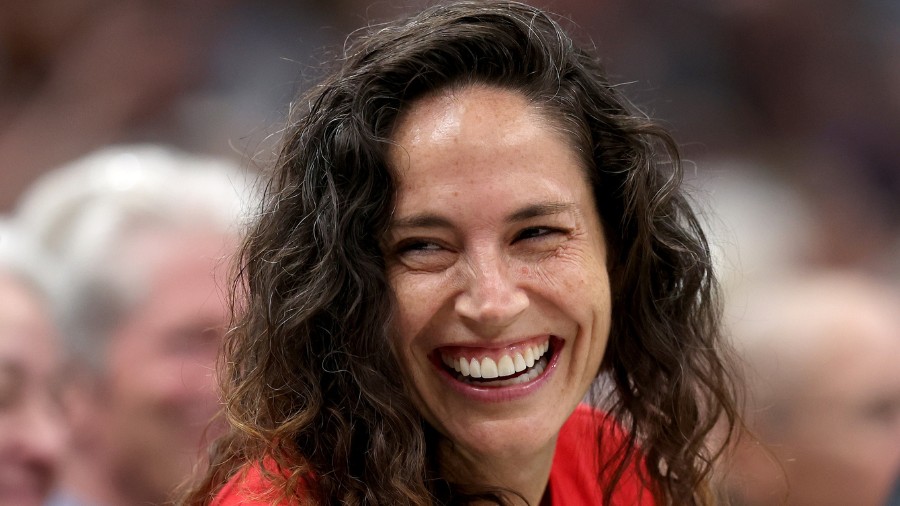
515	365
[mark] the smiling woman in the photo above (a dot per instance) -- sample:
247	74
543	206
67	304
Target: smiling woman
466	228
495	255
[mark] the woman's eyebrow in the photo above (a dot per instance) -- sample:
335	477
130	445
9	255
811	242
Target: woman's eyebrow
540	209
424	220
431	220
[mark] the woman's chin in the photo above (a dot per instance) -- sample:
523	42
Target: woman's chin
515	439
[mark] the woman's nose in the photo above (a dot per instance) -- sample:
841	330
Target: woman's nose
492	297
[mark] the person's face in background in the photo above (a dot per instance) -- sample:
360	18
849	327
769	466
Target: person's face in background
33	433
842	439
496	251
826	380
160	388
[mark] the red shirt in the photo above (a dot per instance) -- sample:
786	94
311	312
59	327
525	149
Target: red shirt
573	476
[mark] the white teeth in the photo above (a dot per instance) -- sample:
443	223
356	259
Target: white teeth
536	371
520	363
475	368
506	367
463	367
539	349
489	368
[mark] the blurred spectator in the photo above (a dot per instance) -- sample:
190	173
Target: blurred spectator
142	235
822	351
757	225
32	428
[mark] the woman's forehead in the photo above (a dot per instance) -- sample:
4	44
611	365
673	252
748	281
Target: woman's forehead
448	110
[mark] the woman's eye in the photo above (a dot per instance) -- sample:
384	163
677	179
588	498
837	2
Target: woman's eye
533	232
417	245
424	255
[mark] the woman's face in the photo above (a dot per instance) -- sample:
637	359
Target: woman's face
497	259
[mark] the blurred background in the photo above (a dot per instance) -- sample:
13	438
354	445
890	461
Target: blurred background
788	113
791	106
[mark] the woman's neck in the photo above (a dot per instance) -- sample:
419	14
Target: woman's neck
525	475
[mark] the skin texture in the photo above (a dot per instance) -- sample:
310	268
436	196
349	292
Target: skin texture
495	240
157	396
32	429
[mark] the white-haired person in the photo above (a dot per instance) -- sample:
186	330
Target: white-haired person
142	235
33	434
822	350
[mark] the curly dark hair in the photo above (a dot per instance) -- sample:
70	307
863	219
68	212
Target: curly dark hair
306	368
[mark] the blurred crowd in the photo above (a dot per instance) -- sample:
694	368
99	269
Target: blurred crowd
132	133
130	247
